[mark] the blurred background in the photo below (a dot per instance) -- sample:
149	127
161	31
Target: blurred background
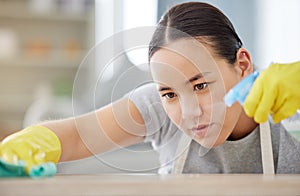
43	43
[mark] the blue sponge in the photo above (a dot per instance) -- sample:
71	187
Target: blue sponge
18	170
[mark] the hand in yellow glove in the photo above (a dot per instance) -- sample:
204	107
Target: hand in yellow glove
276	91
33	145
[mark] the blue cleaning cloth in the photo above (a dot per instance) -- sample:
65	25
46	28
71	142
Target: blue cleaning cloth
11	170
18	170
240	91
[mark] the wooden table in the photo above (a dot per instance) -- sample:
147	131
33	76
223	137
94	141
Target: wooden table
143	184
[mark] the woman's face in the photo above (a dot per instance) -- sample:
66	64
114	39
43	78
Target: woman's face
192	82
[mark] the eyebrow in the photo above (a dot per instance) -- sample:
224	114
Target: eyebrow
164	88
194	78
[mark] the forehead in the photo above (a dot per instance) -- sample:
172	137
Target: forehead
181	60
188	48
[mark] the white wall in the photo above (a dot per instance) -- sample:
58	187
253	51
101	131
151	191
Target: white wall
278	30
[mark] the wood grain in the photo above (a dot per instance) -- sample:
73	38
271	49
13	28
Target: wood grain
145	184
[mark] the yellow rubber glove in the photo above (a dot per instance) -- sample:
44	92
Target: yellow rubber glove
276	91
33	145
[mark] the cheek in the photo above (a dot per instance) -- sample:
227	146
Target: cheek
231	119
233	113
174	112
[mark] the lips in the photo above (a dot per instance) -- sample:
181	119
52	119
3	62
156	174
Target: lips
201	130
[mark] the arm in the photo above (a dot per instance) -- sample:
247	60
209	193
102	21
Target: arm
118	124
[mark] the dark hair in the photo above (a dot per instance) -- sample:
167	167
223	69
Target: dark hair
198	20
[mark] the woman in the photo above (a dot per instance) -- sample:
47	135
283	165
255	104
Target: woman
195	58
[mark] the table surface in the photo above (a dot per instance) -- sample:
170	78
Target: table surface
149	184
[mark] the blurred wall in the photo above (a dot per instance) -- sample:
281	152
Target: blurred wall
41	46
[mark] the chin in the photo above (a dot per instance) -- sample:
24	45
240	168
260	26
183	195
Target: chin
215	137
210	142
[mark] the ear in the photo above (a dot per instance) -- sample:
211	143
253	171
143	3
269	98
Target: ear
243	62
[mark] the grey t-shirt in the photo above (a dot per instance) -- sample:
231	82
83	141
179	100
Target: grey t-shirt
240	156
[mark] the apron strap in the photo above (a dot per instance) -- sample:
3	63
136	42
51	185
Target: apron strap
181	153
266	148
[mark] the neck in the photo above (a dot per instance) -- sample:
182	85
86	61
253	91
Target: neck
244	126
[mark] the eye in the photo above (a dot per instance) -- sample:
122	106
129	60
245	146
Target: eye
200	86
169	95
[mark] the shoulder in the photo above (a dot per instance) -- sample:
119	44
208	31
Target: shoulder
281	136
159	126
144	94
280	130
288	160
147	100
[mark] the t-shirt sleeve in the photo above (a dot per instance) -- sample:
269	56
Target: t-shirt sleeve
158	125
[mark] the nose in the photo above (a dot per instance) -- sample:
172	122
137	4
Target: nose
190	108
